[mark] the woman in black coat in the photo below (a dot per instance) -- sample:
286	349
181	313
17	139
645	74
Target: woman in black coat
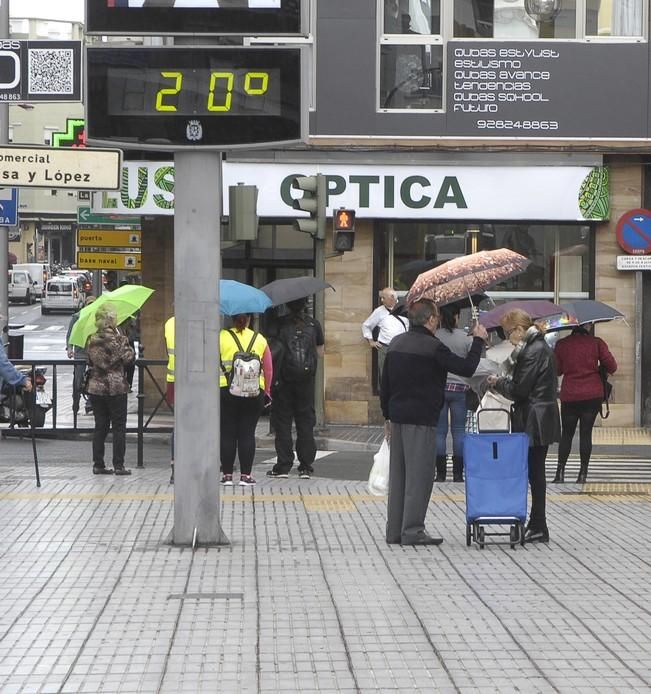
532	384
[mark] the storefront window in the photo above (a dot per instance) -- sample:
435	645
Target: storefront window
412	16
614	18
411	76
559	254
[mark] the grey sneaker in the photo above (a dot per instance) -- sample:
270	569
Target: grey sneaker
280	475
305	473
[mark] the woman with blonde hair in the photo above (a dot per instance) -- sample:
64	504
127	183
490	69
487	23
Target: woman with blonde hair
532	384
109	353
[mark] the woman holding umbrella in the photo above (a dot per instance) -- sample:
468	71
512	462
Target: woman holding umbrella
578	358
532	385
109	353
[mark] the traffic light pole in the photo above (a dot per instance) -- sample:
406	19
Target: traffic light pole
197	268
319	314
4	233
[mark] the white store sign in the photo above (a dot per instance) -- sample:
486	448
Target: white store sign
64	167
634	262
572	193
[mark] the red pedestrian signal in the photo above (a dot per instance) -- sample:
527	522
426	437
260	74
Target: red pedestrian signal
343	222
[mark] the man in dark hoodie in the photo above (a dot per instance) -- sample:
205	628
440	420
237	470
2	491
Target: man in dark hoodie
411	397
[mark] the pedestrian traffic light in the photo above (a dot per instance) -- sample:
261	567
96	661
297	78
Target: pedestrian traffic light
343	222
312	201
242	213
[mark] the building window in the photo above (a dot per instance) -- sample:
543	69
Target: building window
559	253
616	18
411	55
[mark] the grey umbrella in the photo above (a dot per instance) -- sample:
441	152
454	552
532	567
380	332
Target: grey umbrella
292	288
591	311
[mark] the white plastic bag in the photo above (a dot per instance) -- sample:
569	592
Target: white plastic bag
496	420
378	480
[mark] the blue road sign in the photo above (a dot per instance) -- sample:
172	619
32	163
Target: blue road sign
8	207
633	232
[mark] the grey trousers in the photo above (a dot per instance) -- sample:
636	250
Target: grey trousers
411	478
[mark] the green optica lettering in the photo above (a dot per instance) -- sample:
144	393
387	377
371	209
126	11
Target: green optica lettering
450	192
364	183
389	191
164	179
286	186
405	192
335	185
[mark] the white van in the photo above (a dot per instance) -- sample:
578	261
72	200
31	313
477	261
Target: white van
40	273
21	287
62	294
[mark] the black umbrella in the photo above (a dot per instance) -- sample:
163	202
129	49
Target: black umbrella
591	311
292	288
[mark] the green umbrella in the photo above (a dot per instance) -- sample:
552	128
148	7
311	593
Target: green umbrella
126	300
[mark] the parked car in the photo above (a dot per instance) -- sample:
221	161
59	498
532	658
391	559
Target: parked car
40	273
85	277
62	293
21	287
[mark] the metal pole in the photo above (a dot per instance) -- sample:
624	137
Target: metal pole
197	268
319	314
4	233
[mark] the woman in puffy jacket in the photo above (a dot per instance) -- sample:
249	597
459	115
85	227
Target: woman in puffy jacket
532	385
578	358
109	353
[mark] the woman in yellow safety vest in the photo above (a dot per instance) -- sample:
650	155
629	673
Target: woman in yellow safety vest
245	384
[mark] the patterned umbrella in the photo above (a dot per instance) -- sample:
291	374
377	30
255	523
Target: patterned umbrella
466	275
536	308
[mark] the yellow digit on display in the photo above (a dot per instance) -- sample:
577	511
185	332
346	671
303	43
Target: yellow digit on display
264	82
214	76
178	82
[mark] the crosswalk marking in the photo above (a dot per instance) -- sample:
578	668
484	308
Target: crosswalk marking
54	328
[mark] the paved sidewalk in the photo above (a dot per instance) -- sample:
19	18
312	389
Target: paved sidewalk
308	597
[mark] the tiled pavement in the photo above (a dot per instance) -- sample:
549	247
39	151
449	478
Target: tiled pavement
308	597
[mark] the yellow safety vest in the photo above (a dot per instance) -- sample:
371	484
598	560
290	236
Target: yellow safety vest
228	348
169	343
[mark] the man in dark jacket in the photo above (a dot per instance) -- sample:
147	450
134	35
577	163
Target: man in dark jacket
411	396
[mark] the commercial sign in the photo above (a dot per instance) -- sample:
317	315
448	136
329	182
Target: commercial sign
633	232
108	238
634	262
44	167
40	70
561	193
86	216
89	260
47	228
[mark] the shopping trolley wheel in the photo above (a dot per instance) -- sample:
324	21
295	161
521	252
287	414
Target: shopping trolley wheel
521	526
468	534
514	535
482	536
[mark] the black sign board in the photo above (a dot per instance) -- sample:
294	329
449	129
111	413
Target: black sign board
47	228
40	70
244	17
171	98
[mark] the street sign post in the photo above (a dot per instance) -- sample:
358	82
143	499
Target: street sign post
46	167
108	238
92	260
8	207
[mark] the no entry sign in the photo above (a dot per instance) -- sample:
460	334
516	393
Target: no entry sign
634	232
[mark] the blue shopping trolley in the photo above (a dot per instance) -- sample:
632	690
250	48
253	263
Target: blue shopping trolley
496	467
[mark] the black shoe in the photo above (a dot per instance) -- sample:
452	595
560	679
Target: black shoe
305	473
122	471
582	478
533	535
273	473
423	540
101	470
393	542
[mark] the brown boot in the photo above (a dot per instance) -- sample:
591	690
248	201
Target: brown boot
457	468
441	468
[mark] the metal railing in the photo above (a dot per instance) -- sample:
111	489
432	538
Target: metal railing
62	419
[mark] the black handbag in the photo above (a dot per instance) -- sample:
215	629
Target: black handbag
608	391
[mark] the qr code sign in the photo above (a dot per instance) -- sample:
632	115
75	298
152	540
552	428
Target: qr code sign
50	71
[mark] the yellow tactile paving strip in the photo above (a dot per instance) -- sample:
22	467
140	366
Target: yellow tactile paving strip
621	436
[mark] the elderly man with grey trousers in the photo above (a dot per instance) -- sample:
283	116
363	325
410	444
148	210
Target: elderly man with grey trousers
411	397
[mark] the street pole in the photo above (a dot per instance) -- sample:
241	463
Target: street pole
197	269
4	232
319	314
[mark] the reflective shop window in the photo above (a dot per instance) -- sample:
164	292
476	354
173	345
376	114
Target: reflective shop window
560	254
412	17
515	19
411	76
614	18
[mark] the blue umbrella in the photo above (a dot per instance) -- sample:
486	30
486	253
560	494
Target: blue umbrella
236	297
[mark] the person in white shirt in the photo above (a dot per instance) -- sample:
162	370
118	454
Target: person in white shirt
388	324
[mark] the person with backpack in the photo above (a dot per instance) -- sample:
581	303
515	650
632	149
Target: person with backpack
245	379
297	343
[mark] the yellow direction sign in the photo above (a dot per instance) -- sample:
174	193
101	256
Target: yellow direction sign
108	238
108	261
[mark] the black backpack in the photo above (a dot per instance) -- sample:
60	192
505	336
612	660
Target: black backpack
299	356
